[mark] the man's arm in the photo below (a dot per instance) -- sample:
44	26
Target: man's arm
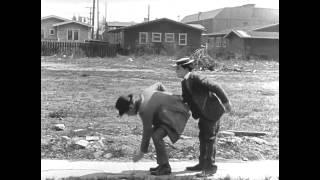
212	87
146	135
215	88
147	131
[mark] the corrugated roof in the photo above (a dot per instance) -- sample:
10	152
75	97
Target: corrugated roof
199	26
234	12
53	16
153	21
68	22
122	24
254	34
266	26
201	16
226	31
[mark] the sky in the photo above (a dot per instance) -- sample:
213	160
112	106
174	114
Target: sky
137	10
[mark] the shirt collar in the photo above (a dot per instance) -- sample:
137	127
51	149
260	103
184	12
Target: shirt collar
187	75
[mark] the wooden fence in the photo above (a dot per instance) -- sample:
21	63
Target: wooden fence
78	49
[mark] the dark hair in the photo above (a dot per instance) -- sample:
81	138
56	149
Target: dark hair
123	104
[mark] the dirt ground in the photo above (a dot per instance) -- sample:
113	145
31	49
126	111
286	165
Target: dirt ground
81	93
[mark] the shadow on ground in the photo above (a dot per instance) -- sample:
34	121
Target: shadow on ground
135	175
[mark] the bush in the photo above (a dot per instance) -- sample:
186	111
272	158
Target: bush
183	52
141	50
157	48
221	53
169	49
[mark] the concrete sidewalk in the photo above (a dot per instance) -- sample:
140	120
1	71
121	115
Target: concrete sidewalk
128	170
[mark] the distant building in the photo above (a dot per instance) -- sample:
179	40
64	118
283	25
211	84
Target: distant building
216	40
60	29
112	26
230	17
160	33
246	42
253	44
269	28
116	25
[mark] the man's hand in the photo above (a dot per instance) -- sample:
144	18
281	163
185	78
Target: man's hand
137	156
227	107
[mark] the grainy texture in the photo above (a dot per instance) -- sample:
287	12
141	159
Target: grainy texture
81	93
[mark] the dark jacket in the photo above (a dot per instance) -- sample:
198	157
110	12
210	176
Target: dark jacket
159	107
204	97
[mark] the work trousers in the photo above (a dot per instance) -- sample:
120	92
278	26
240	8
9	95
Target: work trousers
158	134
208	140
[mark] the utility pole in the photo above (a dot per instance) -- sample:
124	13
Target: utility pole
105	11
92	37
97	34
90	14
148	12
105	17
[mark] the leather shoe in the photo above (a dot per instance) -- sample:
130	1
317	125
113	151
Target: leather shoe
209	171
163	170
198	167
154	169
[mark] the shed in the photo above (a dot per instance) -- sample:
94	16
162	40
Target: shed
253	43
160	34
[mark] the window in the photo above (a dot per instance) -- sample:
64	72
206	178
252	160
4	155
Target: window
42	33
69	35
143	37
218	41
156	37
73	34
213	42
182	38
169	37
51	31
224	42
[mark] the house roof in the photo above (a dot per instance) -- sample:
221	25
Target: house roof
56	17
244	28
254	34
235	13
153	21
201	15
266	26
122	24
68	22
199	26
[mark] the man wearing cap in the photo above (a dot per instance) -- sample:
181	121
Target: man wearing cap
162	114
207	102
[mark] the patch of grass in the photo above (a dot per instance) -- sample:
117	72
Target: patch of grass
132	177
84	75
58	114
79	101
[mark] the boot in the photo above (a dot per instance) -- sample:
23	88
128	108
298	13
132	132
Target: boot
199	166
154	169
209	171
209	167
162	170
